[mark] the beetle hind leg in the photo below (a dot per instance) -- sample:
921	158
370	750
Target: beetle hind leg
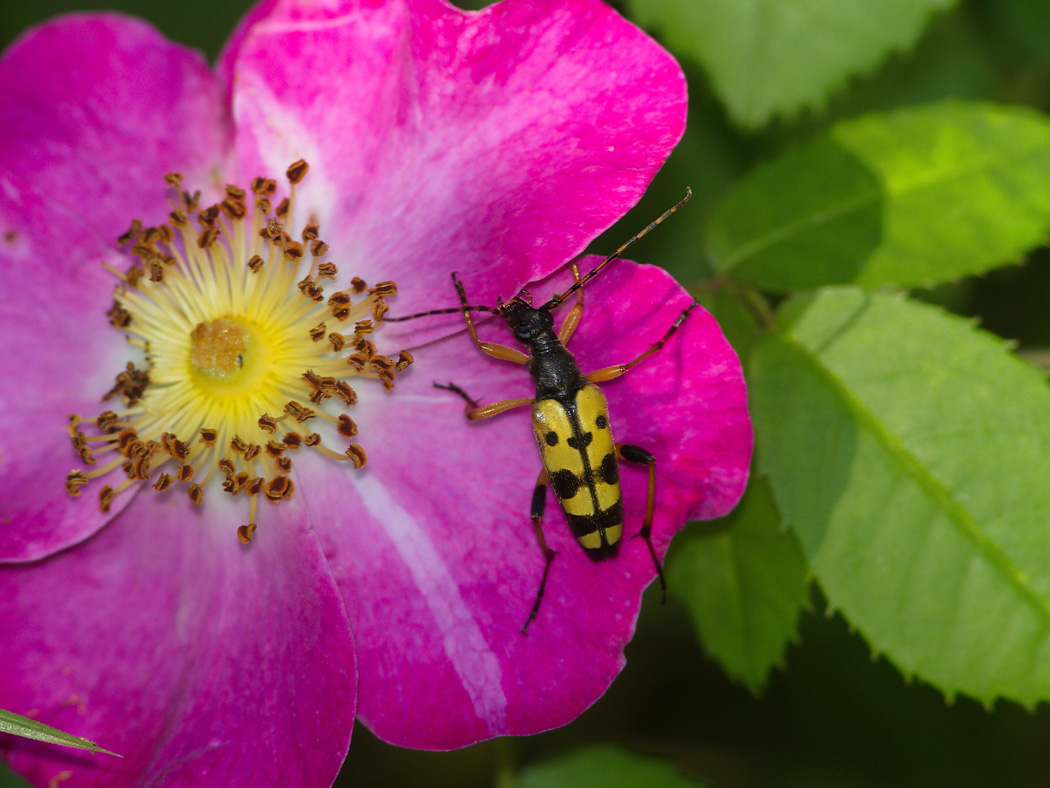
539	500
639	456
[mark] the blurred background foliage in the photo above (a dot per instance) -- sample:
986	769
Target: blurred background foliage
830	714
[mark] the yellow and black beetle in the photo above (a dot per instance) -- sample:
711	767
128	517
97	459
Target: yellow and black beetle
570	417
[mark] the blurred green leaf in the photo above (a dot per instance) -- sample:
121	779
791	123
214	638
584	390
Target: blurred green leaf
910	452
9	779
28	728
768	57
1023	25
604	767
737	321
744	585
914	197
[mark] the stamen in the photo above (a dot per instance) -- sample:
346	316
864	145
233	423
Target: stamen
232	315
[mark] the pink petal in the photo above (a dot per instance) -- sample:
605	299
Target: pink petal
200	660
498	142
96	109
65	360
438	561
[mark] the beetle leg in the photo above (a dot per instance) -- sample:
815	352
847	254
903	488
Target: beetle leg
608	373
490	348
475	411
639	456
573	318
539	500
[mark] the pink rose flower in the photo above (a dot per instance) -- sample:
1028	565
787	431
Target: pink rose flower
495	144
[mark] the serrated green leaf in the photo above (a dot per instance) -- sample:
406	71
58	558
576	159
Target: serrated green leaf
28	728
910	451
768	57
914	197
605	767
744	582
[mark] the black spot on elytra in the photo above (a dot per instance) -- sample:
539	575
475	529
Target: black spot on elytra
551	438
601	422
575	443
565	484
609	472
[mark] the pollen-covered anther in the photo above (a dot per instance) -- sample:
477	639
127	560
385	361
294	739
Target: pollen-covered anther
75	479
339	303
246	532
214	297
345	392
130	384
298	411
280	488
164	481
384	289
309	288
297	171
347	428
357	455
107	420
268	423
293	250
105	498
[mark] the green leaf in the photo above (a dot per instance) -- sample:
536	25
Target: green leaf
769	57
9	779
744	583
914	197
911	452
31	729
1023	24
604	767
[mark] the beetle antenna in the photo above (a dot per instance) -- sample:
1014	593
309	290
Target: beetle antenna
450	310
630	242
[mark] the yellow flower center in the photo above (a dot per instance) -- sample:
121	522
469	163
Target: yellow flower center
238	336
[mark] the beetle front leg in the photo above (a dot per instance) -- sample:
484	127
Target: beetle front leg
639	456
475	411
489	348
572	319
609	373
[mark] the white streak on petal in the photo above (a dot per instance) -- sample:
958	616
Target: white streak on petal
465	645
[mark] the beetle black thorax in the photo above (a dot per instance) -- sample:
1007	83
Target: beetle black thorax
552	366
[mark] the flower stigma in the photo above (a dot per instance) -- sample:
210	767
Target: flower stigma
244	352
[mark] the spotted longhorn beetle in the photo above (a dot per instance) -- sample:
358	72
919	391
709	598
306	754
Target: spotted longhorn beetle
570	417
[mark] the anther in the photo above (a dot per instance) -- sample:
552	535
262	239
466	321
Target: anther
357	455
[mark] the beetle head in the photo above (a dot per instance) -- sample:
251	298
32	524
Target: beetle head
526	321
